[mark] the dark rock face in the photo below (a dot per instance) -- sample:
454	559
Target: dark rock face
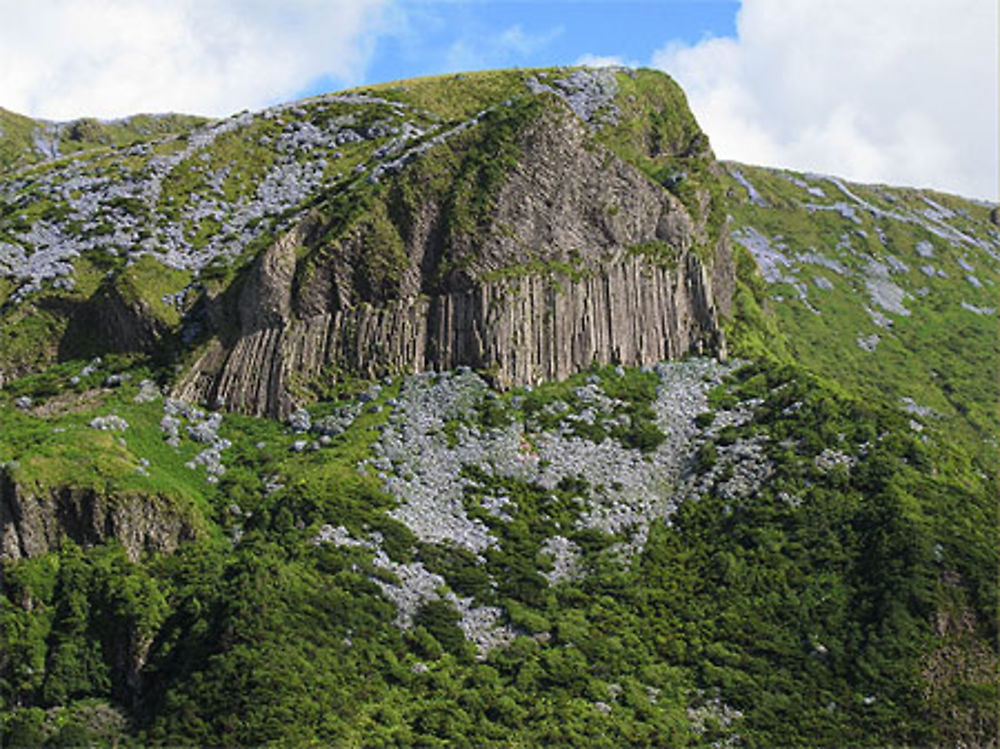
33	523
125	326
549	285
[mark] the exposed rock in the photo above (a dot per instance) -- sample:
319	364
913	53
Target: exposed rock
110	423
108	322
869	343
987	311
148	391
564	558
299	420
627	486
589	92
34	521
752	193
522	326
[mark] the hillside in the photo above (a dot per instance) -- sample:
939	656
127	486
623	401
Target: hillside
490	409
890	291
25	142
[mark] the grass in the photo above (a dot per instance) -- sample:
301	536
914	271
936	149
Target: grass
147	281
456	97
17	135
656	251
943	356
657	132
62	449
53	445
551	269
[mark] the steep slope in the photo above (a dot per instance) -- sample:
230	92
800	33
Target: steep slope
891	291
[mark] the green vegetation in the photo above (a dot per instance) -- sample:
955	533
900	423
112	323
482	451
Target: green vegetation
631	420
16	142
491	154
941	355
657	252
455	97
21	138
53	446
832	578
752	330
147	281
368	224
657	132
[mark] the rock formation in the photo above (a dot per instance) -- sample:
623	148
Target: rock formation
554	279
36	522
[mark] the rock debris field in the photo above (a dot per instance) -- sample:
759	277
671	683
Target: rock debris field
435	430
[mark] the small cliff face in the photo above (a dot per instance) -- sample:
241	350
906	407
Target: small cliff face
34	521
573	257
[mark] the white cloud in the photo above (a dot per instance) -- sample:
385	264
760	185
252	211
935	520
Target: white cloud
61	59
896	91
505	47
602	61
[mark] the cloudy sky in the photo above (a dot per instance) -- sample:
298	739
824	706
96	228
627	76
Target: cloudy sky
896	91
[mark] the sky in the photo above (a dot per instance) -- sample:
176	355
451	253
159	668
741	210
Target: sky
902	92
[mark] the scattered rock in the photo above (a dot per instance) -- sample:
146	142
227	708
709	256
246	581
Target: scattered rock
869	343
148	391
299	420
109	423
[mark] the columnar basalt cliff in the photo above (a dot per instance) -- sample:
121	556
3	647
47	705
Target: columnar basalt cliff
208	482
577	258
521	331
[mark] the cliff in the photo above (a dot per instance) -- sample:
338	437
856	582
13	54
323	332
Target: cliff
35	520
575	257
524	223
443	558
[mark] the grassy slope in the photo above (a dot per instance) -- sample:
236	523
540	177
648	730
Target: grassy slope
21	136
942	355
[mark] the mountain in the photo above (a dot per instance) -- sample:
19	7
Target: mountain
488	409
381	231
891	291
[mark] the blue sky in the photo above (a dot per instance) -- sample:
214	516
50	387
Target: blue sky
903	92
448	36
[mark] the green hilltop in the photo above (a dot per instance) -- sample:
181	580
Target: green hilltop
25	142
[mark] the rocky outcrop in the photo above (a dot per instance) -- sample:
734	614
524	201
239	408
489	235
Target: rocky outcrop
551	282
35	520
520	330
